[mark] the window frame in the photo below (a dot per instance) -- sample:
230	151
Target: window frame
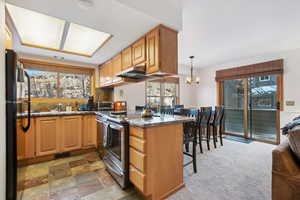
163	81
60	68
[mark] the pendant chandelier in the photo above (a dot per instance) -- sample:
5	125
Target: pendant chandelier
191	79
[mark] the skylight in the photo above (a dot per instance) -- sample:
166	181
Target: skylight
43	31
84	40
37	29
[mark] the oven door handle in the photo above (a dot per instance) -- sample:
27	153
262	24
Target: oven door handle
112	169
116	127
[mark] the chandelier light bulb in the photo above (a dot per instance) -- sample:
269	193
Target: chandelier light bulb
191	79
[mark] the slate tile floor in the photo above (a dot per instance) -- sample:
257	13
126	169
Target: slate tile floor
80	177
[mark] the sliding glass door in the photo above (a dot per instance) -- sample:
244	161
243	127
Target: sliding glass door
262	108
251	108
234	106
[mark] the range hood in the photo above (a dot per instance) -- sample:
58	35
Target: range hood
135	72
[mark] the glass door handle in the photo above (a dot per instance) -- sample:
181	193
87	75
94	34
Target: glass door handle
278	105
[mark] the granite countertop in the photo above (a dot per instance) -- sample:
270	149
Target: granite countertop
135	119
48	114
160	120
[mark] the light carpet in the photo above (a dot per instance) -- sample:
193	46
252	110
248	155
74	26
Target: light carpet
235	171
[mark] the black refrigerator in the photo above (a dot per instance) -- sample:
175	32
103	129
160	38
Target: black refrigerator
14	74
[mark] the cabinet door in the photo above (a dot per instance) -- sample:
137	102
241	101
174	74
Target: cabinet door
152	51
109	72
25	140
89	132
117	67
47	132
139	51
105	74
71	133
101	74
126	58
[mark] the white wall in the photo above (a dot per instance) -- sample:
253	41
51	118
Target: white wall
187	94
133	93
206	92
2	102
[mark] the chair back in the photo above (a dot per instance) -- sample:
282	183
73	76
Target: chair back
178	106
190	112
205	116
167	111
139	108
189	128
218	115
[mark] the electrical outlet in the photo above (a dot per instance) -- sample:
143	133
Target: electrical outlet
290	103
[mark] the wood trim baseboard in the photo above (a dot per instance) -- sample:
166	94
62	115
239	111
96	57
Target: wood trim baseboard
39	159
253	139
177	188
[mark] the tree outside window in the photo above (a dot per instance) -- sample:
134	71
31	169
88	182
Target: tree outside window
46	84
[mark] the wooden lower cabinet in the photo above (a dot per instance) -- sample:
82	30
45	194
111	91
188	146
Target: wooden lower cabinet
89	132
138	179
47	135
156	160
53	135
25	140
71	130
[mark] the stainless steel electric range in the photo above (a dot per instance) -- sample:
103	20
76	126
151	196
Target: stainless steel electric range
114	145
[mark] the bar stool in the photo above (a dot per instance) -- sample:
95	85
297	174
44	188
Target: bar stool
217	123
190	135
204	123
139	108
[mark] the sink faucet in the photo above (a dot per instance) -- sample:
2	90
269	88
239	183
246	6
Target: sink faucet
59	107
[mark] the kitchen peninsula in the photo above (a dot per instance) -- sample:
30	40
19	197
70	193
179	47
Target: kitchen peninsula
155	152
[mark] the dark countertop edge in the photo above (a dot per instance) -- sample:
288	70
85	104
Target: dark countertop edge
49	114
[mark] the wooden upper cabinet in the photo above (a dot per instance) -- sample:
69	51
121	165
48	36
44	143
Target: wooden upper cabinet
47	135
25	140
71	131
153	51
117	67
102	74
89	133
157	49
106	73
126	58
162	55
139	51
109	72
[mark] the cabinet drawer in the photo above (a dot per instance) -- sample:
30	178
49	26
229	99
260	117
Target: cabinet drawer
137	159
137	143
137	132
138	179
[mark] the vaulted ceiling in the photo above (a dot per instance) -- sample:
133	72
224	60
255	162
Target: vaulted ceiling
217	32
126	20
